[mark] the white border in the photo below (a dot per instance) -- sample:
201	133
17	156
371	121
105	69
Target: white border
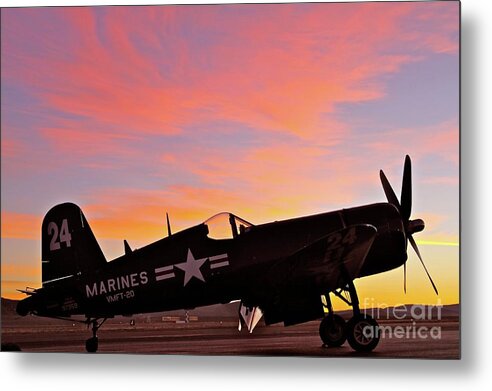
79	371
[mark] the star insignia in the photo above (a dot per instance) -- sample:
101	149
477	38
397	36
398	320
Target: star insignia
192	268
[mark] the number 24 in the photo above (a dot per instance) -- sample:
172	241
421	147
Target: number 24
65	235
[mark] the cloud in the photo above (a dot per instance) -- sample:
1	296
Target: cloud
440	140
140	215
24	270
159	69
11	148
20	225
87	143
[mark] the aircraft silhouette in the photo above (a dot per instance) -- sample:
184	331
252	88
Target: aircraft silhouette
283	270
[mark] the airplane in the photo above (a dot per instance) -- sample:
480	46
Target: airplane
283	271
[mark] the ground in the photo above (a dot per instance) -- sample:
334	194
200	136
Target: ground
223	338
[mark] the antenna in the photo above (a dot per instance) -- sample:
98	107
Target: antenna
169	233
128	249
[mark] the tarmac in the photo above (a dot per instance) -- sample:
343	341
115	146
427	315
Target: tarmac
430	340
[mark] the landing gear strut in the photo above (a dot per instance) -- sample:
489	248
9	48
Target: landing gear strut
91	344
332	327
361	331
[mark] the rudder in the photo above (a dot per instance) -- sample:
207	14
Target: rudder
68	244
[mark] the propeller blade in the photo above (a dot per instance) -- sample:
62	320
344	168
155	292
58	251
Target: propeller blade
406	190
414	245
388	190
405	278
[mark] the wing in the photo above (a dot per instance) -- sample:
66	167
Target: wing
290	290
322	266
332	260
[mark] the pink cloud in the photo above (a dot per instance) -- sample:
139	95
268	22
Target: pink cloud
11	147
259	72
440	139
87	143
288	173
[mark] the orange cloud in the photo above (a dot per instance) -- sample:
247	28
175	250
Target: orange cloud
290	177
26	271
20	226
140	215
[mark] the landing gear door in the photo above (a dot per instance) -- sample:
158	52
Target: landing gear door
249	317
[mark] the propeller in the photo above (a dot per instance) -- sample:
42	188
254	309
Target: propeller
405	208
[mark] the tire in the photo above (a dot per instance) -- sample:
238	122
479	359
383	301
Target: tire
362	333
91	345
332	331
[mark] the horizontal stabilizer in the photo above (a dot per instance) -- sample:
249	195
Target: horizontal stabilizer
28	291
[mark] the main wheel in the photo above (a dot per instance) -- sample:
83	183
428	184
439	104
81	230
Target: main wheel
362	333
332	330
91	345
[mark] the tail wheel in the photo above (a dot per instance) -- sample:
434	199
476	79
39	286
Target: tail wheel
332	330
91	345
362	333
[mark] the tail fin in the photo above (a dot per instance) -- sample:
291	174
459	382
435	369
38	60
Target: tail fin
68	244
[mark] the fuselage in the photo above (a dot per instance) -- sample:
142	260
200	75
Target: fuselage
190	269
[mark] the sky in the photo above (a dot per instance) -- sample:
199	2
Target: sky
266	111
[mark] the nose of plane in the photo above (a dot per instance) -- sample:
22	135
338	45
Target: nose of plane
416	225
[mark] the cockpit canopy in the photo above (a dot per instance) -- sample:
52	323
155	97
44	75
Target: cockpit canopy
226	225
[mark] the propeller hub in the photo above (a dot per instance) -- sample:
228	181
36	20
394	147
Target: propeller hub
416	225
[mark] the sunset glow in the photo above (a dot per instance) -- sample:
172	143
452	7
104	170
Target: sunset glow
266	111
